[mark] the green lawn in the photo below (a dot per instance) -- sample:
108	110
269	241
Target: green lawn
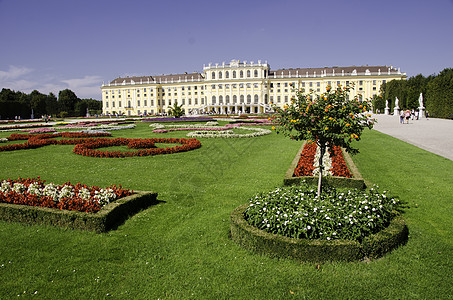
180	248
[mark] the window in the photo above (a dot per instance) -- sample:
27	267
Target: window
249	99
144	89
338	83
227	86
318	84
374	88
241	74
286	99
234	74
106	104
220	86
119	103
220	99
278	99
286	84
152	102
145	103
286	90
144	95
255	85
235	99
213	75
227	74
242	98
272	98
190	101
169	101
249	85
213	87
361	82
374	82
119	96
106	97
303	84
256	99
278	84
138	102
241	85
329	82
113	104
248	73
347	82
311	84
235	86
213	99
256	73
227	99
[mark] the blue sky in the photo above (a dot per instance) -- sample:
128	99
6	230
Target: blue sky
51	45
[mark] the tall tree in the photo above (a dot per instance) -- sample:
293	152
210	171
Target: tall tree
67	100
440	95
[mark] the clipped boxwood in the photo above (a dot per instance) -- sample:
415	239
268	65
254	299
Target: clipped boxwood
107	218
274	245
356	182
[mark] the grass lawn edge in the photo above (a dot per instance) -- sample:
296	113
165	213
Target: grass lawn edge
106	219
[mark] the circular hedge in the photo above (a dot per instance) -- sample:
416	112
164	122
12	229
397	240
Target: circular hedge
316	250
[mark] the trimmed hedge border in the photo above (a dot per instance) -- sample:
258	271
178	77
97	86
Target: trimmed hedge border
356	182
107	218
303	250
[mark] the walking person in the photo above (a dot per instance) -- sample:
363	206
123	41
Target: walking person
408	115
402	117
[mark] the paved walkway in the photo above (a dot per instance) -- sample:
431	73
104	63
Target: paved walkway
434	135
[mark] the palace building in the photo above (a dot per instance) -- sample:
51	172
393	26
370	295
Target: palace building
245	87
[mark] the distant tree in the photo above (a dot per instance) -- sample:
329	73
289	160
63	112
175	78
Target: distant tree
52	105
176	110
439	95
38	103
392	89
67	100
378	103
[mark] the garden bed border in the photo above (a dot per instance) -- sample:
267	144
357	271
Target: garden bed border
107	218
356	182
305	250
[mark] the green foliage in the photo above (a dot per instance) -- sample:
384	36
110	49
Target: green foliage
176	110
320	251
328	119
440	95
102	221
378	103
298	212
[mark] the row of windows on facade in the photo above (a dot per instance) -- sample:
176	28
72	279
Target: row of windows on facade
234	74
241	85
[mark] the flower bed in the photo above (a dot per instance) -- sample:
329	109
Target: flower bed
334	163
229	133
85	145
303	164
40	140
34	192
183	119
88	148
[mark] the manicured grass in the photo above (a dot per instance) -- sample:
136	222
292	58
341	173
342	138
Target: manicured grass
180	248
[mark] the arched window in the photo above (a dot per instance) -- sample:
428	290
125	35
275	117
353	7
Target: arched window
234	74
256	99
227	99
248	73
235	100
213	75
241	74
129	104
227	74
242	98
256	73
249	99
265	98
220	99
213	99
220	75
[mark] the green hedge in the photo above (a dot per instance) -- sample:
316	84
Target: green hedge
356	182
273	245
107	218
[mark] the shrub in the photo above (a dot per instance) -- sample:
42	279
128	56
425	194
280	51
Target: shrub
298	212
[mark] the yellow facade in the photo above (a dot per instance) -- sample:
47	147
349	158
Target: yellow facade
237	87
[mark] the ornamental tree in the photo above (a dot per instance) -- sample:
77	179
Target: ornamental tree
176	110
328	119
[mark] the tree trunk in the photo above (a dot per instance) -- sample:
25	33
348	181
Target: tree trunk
322	150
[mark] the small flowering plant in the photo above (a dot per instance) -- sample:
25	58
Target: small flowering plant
35	192
329	119
298	212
